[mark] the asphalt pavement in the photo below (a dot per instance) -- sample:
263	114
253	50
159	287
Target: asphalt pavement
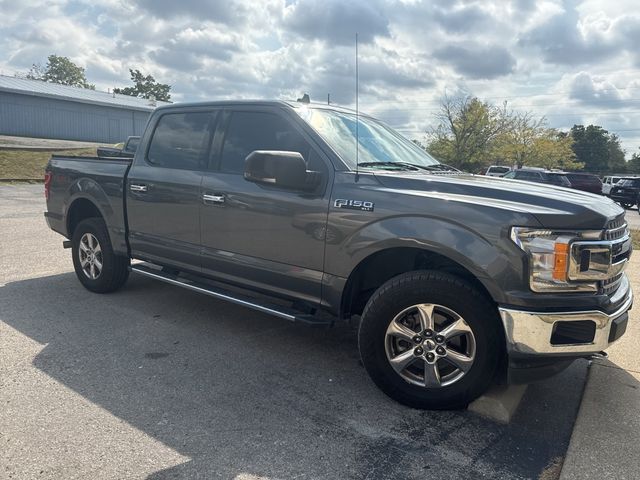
158	382
606	437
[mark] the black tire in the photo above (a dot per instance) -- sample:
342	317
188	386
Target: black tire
115	268
451	292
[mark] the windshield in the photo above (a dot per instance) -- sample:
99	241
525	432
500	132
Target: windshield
380	146
629	182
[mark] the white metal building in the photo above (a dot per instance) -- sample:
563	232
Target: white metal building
33	108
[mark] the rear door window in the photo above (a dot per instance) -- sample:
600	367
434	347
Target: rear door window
181	140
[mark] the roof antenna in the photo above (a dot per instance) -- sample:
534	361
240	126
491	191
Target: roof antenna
357	115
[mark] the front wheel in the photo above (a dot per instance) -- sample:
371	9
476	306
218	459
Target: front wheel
430	340
97	267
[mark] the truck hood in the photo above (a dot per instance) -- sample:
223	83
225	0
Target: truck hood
553	207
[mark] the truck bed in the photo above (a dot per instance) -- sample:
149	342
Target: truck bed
96	179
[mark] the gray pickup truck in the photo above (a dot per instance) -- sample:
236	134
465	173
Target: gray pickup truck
457	280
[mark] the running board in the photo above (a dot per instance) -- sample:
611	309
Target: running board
232	297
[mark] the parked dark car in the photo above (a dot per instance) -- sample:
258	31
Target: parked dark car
627	191
455	279
540	176
586	182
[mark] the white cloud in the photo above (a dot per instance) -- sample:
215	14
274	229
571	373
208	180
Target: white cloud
574	61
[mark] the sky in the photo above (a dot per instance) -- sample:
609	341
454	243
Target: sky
567	60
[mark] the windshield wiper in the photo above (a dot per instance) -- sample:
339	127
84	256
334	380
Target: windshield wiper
400	165
441	167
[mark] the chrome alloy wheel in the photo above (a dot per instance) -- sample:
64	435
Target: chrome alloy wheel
430	345
90	255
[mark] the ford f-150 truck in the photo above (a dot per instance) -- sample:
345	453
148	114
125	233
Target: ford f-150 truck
457	280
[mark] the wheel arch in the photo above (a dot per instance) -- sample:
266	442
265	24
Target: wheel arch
87	198
80	209
377	268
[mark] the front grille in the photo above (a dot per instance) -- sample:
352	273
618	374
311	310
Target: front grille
615	229
611	285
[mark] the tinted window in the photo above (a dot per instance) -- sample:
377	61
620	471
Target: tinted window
557	179
511	174
249	131
181	140
629	182
531	176
499	169
132	144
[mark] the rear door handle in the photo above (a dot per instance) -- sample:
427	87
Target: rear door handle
206	198
137	188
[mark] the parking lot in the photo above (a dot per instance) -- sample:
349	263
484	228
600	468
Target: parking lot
157	382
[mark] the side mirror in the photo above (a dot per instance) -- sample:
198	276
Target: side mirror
280	169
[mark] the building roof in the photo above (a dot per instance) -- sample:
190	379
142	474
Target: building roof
39	88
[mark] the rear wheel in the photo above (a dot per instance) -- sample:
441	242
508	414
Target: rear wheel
97	267
430	340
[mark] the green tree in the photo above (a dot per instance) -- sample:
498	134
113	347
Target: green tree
617	162
551	149
599	150
529	142
633	166
466	132
60	70
145	86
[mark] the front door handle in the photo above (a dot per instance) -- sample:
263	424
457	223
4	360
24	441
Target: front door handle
212	198
137	188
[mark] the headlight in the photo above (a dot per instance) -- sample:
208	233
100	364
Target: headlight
548	253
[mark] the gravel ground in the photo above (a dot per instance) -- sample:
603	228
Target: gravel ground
157	382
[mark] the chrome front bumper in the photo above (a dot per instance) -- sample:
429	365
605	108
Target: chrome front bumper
530	333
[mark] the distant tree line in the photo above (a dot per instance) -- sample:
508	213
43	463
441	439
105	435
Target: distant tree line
472	134
63	71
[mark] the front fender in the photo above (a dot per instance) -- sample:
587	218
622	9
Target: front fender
486	257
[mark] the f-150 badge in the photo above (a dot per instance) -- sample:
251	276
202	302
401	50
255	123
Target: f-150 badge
354	204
